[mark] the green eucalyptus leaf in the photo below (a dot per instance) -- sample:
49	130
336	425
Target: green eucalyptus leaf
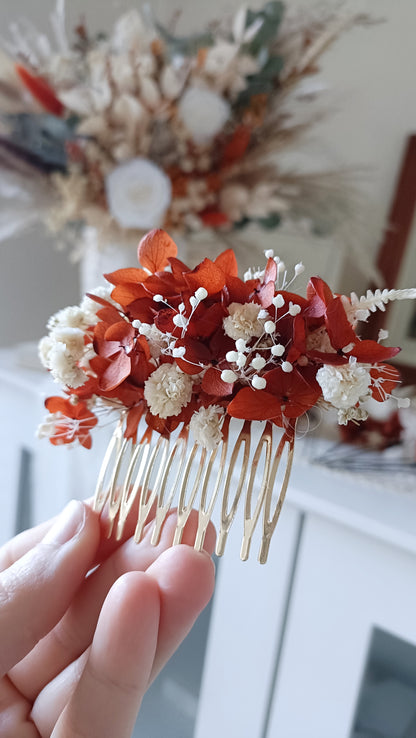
272	221
185	45
242	224
273	68
272	16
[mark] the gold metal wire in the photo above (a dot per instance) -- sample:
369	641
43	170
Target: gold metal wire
156	471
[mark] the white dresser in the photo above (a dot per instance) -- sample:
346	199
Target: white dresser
289	643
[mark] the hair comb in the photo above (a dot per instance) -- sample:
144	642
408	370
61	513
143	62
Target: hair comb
207	375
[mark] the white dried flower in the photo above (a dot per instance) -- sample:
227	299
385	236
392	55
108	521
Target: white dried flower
344	386
204	113
352	413
150	93
243	321
47	428
44	349
258	383
205	426
158	342
73	338
171	83
258	362
139	194
63	366
228	376
130	33
122	73
69	317
167	391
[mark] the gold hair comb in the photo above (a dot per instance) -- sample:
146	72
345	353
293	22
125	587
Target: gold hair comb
211	373
159	470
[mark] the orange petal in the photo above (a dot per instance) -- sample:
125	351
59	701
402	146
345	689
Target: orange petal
155	249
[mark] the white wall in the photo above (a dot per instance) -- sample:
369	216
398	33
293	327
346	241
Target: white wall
372	76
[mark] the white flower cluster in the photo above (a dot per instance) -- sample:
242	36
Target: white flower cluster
345	387
63	351
168	390
205	426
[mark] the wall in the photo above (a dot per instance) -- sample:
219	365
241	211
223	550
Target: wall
373	104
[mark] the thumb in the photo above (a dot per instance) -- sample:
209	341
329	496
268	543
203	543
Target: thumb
38	588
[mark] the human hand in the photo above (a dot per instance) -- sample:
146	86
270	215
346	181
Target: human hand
87	623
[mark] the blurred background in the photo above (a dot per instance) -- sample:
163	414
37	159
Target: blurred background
371	108
320	643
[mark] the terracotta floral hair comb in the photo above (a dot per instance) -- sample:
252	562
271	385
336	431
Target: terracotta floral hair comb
207	375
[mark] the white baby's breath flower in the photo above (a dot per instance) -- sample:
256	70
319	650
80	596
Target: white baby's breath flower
204	113
352	413
72	338
63	367
344	386
47	428
44	349
158	342
70	317
167	391
139	194
243	321
205	426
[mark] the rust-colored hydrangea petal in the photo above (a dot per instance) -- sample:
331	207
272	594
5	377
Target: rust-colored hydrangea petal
212	384
251	404
385	378
371	352
116	371
155	249
228	263
207	275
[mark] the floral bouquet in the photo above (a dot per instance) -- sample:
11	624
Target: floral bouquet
141	128
177	352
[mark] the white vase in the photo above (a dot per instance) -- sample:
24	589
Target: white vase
100	258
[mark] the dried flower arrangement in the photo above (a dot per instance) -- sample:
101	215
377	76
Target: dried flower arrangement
172	349
141	128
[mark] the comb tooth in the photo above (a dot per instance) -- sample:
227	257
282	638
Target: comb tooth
205	512
115	489
228	517
184	509
250	521
130	491
101	492
163	506
269	523
148	496
153	468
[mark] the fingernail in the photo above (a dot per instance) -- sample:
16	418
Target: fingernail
68	524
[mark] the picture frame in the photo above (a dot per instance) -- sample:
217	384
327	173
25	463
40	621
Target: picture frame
397	264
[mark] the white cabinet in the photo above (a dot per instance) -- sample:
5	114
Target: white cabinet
346	585
288	643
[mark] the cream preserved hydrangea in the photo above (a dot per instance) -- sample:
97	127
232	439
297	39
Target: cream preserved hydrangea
167	391
344	386
243	321
205	426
